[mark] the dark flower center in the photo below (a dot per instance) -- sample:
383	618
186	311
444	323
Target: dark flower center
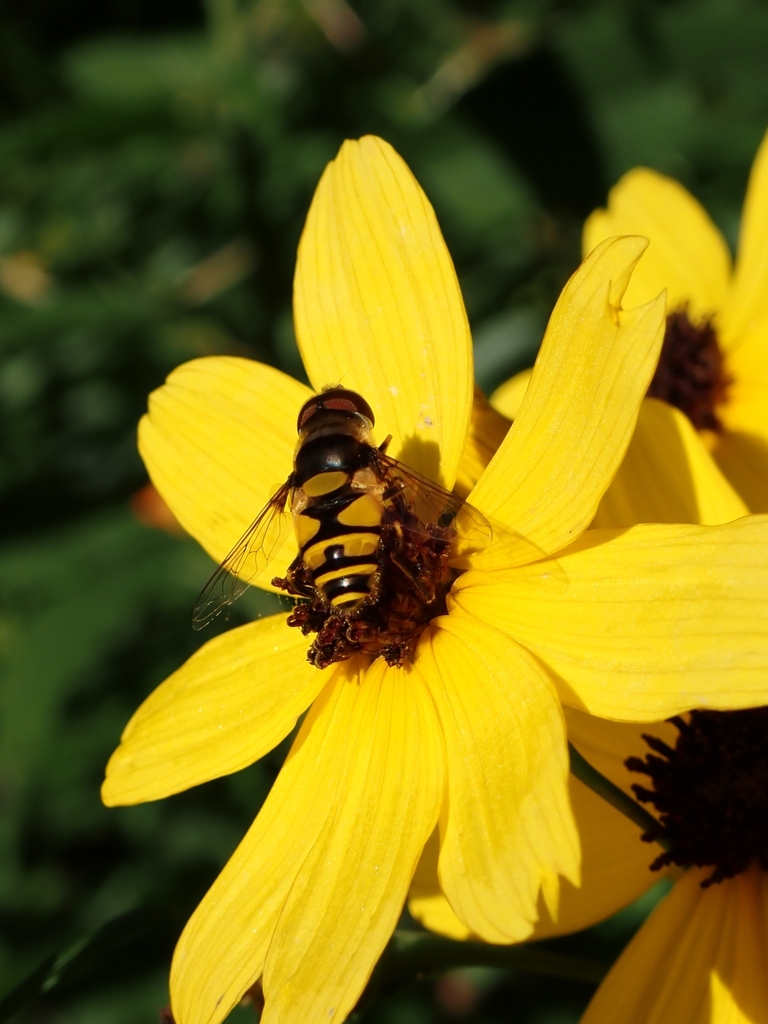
691	375
711	792
412	584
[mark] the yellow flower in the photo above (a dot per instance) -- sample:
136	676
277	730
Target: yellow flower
469	737
714	363
702	956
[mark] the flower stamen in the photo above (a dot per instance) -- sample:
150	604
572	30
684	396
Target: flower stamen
711	792
409	590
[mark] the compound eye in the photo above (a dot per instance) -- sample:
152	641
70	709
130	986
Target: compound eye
308	410
347	401
335	400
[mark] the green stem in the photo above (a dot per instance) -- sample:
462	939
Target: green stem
609	791
411	954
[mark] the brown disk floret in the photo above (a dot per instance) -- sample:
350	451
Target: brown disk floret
691	373
711	792
412	582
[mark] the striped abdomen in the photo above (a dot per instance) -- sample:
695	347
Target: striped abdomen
338	531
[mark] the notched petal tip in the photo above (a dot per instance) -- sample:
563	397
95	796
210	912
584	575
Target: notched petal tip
616	259
580	408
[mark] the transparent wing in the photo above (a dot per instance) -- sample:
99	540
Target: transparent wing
247	558
415	497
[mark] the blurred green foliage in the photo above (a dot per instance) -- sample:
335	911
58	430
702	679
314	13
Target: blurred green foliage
155	170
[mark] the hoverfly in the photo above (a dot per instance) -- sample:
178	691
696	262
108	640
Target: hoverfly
374	539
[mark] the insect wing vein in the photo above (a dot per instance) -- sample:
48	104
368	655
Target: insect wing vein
432	504
247	559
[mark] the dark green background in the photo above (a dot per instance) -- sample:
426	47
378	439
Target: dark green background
138	139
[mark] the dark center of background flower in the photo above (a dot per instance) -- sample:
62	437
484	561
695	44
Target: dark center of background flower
691	373
711	792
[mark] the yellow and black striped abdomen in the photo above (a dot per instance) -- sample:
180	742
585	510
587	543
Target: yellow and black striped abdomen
339	544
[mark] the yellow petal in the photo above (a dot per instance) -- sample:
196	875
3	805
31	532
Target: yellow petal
217	441
746	407
487	429
350	890
687	255
615	865
377	306
222	949
506	828
508	398
743	459
233	701
641	624
699	959
748	300
614	872
667	476
426	902
580	409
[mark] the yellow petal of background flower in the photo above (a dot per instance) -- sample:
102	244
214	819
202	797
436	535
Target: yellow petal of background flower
217	441
748	299
743	458
699	959
614	872
615	863
426	902
506	828
487	429
614	867
350	890
232	702
667	476
641	624
580	408
508	397
221	951
687	255
746	407
377	306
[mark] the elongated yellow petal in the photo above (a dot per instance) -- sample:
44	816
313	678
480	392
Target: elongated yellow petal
377	306
232	702
667	476
641	624
748	300
743	459
615	866
699	959
217	441
687	255
506	828
614	872
580	408
350	890
222	949
487	429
